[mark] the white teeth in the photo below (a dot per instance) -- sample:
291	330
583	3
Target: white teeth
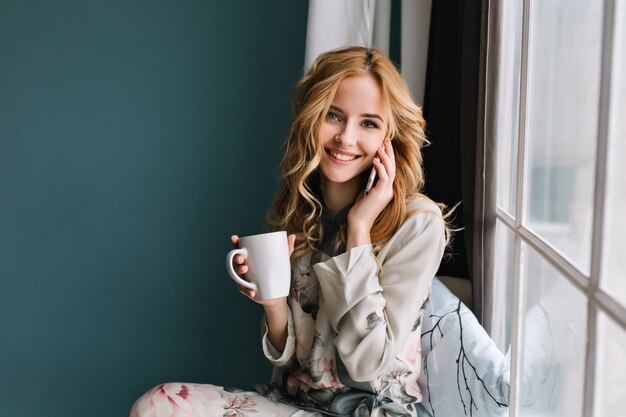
342	157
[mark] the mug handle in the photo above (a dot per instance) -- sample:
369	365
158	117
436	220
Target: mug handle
231	270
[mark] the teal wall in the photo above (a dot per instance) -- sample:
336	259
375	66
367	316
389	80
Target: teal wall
135	137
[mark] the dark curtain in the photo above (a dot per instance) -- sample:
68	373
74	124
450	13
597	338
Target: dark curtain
455	162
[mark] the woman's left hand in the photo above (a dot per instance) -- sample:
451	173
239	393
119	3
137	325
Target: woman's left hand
363	214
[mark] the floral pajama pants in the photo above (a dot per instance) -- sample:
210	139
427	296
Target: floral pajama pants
204	400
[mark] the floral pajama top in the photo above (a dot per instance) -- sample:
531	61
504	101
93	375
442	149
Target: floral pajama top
353	345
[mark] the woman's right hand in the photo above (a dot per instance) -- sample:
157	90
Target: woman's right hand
241	268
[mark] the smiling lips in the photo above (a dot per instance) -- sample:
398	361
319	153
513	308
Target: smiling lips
341	156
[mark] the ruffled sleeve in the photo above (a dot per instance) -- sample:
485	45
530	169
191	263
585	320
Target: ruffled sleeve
373	303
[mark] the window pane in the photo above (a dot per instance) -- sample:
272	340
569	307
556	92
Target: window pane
562	114
555	324
508	102
499	304
610	369
613	279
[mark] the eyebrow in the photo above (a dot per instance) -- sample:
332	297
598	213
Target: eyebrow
370	115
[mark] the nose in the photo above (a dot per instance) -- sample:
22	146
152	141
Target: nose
347	136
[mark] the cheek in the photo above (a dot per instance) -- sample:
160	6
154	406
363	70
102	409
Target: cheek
373	143
327	133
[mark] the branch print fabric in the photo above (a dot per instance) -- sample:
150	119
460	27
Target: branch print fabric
464	373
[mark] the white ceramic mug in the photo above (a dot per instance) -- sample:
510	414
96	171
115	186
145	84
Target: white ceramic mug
267	258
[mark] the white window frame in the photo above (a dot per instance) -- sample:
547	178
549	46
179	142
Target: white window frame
597	299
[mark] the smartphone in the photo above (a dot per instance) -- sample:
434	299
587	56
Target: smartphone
370	180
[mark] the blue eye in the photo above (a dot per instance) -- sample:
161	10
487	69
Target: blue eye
332	116
369	124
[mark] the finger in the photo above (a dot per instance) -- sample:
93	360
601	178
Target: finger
234	239
244	290
291	242
389	151
247	292
382	171
387	162
242	269
382	152
385	158
239	259
391	154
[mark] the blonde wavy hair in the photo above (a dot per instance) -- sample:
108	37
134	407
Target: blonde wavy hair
297	205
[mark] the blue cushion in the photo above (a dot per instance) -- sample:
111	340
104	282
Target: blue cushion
463	372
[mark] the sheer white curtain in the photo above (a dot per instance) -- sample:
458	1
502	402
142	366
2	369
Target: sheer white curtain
333	24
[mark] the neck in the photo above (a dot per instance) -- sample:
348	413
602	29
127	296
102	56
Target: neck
338	195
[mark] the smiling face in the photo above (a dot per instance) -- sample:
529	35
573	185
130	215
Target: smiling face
353	130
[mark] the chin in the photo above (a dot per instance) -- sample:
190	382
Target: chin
340	177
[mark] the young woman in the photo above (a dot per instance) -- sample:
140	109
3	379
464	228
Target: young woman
366	244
